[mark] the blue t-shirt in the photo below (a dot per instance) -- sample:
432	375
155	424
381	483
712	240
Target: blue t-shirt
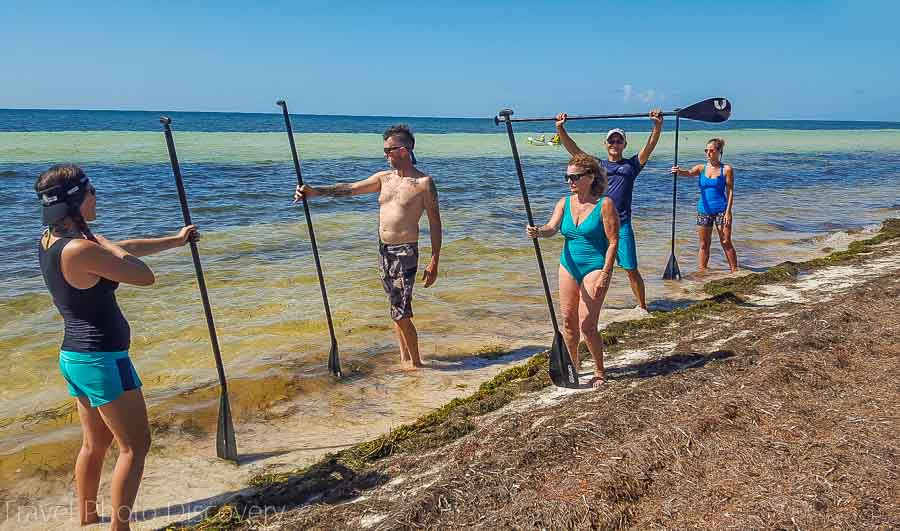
621	176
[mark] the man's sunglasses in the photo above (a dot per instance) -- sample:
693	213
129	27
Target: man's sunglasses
575	177
388	150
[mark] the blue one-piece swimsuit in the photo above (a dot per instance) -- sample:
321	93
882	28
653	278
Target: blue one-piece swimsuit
586	244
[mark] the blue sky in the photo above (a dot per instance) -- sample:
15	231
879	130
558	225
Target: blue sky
784	59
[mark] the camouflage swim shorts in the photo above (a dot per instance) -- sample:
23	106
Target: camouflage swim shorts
398	264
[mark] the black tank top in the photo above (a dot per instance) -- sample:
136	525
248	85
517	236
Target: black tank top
93	320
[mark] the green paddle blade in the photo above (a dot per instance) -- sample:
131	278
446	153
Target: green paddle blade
713	110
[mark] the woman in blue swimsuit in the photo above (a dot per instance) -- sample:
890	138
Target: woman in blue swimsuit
82	271
716	182
589	223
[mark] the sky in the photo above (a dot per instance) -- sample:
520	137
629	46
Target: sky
787	59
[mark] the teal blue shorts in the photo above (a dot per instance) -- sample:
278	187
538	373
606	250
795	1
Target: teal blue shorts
100	376
627	252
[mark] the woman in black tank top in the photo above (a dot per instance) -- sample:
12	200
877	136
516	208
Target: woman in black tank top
82	271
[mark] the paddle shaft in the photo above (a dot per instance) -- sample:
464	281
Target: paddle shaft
591	117
309	226
537	247
195	254
674	186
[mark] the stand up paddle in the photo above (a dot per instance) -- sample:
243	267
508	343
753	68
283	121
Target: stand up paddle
712	110
334	362
226	448
672	271
562	370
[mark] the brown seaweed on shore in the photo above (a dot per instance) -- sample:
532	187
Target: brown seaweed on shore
784	418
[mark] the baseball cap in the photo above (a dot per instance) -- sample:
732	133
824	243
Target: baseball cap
614	131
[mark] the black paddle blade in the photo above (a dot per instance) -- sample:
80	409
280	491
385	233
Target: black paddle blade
713	110
226	447
562	371
334	362
672	271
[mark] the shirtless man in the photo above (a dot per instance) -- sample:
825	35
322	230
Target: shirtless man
404	193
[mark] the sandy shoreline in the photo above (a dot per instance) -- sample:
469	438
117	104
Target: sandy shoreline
772	406
638	358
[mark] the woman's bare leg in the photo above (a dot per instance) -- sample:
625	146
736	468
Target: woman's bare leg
728	247
705	236
592	296
126	418
95	441
568	305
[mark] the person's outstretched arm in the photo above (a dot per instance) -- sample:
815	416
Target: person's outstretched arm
693	172
434	228
644	155
148	246
564	137
552	226
365	186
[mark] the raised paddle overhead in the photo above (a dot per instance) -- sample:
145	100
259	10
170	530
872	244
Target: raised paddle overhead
713	110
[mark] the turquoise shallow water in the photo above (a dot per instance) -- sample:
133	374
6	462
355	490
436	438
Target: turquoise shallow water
118	147
799	192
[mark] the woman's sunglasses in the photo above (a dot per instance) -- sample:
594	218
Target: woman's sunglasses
575	177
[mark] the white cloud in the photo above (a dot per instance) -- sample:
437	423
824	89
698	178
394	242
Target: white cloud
629	93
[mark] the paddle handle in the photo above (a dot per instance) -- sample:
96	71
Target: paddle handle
537	246
195	253
333	362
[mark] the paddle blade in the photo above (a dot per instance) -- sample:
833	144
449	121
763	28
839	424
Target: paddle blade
713	110
334	362
562	371
226	447
672	271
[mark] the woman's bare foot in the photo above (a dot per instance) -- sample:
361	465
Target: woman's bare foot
598	380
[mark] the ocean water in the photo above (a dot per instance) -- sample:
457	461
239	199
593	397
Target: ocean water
802	189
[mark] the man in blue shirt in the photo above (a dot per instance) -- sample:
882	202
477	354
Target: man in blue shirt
621	173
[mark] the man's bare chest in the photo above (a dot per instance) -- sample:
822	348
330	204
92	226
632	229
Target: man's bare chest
401	192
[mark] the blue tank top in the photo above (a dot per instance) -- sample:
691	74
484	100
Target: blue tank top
712	193
93	320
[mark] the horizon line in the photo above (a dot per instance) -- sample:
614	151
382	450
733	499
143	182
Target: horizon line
398	116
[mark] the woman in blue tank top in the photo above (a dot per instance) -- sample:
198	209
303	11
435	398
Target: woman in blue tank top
82	270
714	207
589	222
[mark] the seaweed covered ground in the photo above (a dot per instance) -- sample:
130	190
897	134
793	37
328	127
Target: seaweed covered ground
774	404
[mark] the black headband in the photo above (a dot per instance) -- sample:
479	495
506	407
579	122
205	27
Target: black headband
62	200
